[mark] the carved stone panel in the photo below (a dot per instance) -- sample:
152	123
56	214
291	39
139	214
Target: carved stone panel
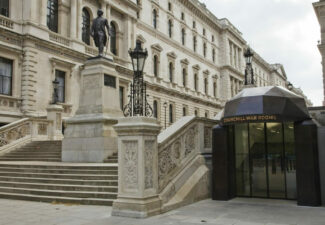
130	164
148	160
191	140
42	129
207	137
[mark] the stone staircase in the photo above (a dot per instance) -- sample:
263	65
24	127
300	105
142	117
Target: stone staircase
34	172
44	151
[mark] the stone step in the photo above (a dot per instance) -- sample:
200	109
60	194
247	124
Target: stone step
64	176
72	194
32	156
26	159
59	181
56	165
60	187
56	199
58	171
110	161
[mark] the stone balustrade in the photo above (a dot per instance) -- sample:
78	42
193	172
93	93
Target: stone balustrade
6	22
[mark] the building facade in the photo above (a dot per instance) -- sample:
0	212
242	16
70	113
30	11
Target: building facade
320	13
195	60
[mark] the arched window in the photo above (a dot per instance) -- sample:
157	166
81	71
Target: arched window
171	119
154	18
184	111
113	40
155	109
206	115
206	86
4	8
52	15
170	25
184	77
155	66
194	43
171	72
183	36
195	82
85	26
215	89
196	113
213	55
203	31
204	49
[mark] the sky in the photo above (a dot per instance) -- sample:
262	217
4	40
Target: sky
280	31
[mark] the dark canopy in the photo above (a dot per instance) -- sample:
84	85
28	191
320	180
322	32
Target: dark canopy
272	103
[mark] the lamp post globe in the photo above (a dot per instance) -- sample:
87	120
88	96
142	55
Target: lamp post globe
248	55
249	74
138	58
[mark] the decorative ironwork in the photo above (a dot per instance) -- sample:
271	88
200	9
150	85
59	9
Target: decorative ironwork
138	104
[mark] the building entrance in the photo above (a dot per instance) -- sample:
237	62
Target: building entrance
265	160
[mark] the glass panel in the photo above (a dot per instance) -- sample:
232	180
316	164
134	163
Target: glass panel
275	160
242	160
60	77
290	160
258	165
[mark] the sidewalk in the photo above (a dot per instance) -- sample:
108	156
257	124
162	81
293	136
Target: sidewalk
235	212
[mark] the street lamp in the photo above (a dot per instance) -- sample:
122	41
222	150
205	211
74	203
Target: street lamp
55	91
138	105
290	86
165	106
249	74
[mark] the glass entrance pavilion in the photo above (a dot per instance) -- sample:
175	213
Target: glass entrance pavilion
265	148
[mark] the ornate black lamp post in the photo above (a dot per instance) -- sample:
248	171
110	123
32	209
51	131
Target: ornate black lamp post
55	91
249	73
290	86
138	104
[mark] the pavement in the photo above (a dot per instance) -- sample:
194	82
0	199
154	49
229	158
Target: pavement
239	211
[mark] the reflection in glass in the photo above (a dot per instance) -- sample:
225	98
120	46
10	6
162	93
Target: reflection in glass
258	164
242	160
275	159
290	160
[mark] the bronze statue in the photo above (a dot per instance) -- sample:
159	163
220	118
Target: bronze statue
98	31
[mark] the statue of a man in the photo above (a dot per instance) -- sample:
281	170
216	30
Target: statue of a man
98	31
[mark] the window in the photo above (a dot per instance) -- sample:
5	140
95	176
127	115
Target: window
121	97
113	40
212	38
60	77
196	113
52	15
170	25
183	36
5	76
171	72
154	19
171	116
194	25
4	8
206	115
213	55
195	82
169	6
155	65
206	86
109	81
85	26
184	77
204	49
155	109
203	31
194	43
184	111
182	16
215	89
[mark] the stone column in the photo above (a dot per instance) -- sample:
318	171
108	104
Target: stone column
138	168
79	19
43	13
73	18
54	113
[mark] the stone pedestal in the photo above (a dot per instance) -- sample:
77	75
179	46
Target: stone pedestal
89	135
54	113
138	168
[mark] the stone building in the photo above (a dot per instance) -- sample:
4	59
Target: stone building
320	13
195	60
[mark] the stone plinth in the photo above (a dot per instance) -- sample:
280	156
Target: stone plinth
138	168
89	135
54	113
